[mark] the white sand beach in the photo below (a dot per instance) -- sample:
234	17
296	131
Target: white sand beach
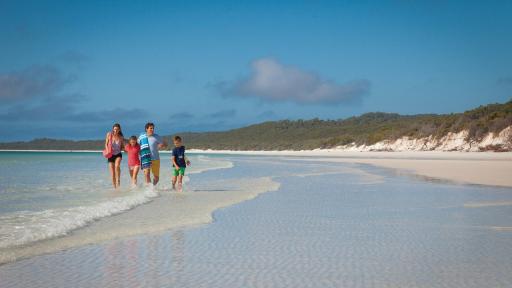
484	168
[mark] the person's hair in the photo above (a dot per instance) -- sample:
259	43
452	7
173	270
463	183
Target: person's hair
177	138
118	126
133	137
149	124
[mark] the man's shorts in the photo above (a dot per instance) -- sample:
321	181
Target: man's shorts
178	171
155	168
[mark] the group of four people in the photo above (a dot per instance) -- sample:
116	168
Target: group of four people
143	153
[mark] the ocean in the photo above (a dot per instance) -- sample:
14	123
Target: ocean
48	194
249	221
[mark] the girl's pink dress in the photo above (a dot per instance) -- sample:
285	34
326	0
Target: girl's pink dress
133	154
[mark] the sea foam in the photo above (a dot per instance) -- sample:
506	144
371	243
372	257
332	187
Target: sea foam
25	227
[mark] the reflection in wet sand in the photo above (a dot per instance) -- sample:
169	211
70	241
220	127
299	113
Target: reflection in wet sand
324	229
178	254
140	261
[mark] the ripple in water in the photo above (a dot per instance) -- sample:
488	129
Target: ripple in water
315	231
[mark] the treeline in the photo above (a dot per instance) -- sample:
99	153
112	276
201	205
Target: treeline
310	134
365	129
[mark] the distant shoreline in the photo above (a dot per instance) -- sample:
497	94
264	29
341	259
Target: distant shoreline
32	150
63	151
480	168
485	128
338	153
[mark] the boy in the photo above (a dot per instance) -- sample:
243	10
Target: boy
179	162
149	143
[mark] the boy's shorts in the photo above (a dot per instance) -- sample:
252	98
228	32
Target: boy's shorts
155	168
178	171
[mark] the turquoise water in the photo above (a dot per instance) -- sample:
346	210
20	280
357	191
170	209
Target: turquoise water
31	181
328	225
49	194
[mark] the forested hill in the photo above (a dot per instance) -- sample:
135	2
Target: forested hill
310	134
365	129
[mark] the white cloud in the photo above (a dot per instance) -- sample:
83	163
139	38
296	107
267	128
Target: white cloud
271	80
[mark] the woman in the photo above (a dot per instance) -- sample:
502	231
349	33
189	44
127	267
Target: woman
115	141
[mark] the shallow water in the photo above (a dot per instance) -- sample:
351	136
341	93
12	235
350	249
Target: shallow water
328	225
49	194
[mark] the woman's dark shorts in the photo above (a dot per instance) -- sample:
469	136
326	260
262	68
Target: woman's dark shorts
114	157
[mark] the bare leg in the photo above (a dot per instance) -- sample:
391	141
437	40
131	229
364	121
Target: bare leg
118	171
111	168
135	172
155	168
147	175
180	182
131	174
173	181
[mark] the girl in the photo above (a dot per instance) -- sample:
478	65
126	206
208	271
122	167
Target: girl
133	149
115	142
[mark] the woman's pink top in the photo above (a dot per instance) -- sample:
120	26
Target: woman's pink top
133	154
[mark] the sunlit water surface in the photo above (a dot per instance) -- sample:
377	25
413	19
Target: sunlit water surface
328	225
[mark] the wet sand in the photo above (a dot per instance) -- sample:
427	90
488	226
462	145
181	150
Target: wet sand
328	225
483	168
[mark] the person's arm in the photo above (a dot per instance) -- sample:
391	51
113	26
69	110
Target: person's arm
107	139
187	162
162	143
173	160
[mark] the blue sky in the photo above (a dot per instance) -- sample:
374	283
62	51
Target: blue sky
70	69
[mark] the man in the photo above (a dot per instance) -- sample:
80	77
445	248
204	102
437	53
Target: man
150	157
